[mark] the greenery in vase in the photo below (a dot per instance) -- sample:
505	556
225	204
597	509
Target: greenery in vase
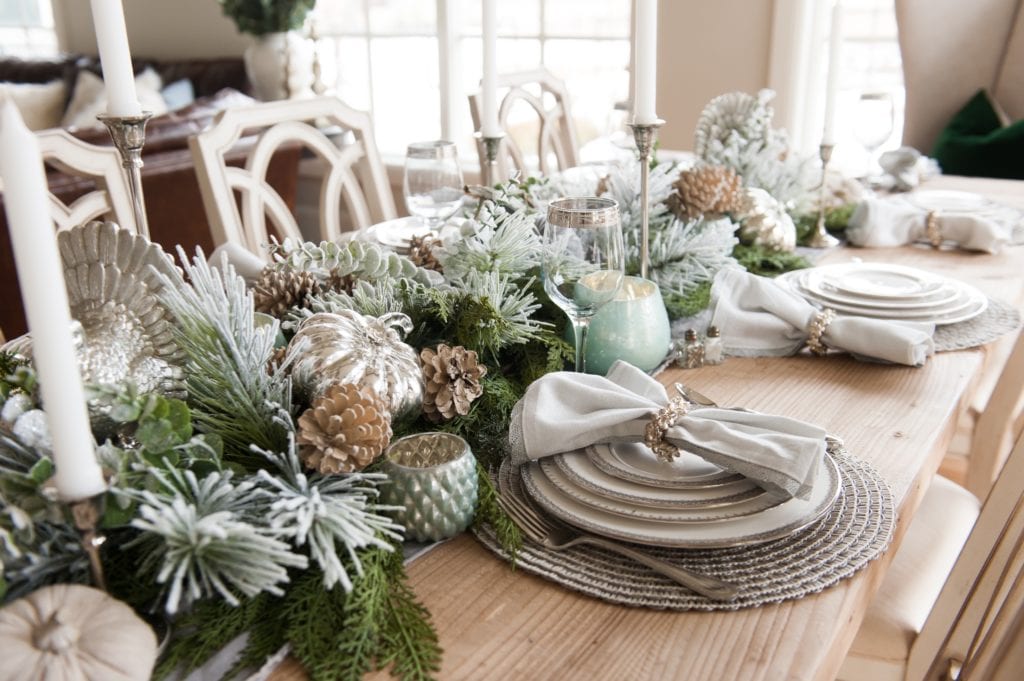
259	17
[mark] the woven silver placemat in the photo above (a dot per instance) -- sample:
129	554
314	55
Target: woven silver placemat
855	532
998	318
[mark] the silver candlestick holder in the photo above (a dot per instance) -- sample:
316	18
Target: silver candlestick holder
492	145
645	135
129	135
821	238
86	514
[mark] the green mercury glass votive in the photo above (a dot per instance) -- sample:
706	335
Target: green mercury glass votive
633	327
432	482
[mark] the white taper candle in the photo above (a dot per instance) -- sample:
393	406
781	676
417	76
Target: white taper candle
489	116
115	57
835	45
645	62
78	474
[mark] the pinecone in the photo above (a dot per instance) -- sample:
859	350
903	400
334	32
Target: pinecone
421	252
705	190
342	283
276	359
344	430
278	290
452	378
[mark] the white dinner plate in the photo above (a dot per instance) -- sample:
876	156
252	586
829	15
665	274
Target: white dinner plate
397	233
773	523
693	514
967	306
948	200
811	281
581	471
880	280
636	462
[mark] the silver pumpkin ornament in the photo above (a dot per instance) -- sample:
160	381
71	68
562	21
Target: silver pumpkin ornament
349	347
764	221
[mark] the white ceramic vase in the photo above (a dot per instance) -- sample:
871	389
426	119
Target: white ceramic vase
280	66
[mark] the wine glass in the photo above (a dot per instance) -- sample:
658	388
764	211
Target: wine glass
432	185
584	260
873	120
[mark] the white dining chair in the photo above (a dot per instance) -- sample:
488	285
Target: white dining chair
535	105
109	200
240	201
951	604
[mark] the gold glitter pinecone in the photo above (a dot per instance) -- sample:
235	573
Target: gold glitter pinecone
705	190
421	252
452	380
344	430
278	290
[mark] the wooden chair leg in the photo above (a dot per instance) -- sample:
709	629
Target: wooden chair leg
997	426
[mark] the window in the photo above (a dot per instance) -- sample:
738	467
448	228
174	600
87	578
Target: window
870	101
26	28
870	65
412	63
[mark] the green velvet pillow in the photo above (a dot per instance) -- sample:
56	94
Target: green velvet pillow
976	143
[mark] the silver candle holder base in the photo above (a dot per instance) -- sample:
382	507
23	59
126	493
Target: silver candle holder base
820	238
129	136
492	145
645	134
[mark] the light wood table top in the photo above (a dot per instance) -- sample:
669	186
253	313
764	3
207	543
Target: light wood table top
498	623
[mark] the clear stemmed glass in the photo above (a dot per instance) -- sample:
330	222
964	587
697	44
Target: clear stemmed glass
584	260
432	186
873	119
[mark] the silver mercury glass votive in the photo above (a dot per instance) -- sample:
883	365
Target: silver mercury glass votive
434	484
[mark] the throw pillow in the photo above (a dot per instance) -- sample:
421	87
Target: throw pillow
40	104
90	98
178	94
976	143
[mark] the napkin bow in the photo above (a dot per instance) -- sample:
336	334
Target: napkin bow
758	317
565	411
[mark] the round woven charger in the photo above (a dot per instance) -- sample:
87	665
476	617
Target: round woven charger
998	318
855	532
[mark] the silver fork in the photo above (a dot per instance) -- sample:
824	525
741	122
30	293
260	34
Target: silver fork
556	536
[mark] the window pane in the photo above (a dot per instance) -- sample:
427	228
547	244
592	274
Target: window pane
596	74
520	18
586	17
19	13
406	105
346	70
403	16
340	16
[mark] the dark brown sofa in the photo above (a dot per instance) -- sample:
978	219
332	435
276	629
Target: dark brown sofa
174	207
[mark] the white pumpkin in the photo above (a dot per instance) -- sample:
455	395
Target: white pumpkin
349	347
70	632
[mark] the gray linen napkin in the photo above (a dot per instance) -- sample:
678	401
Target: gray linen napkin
565	411
896	221
760	317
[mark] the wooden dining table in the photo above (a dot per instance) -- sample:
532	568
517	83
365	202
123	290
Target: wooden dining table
498	622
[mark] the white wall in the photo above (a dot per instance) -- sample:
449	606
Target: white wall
160	29
706	49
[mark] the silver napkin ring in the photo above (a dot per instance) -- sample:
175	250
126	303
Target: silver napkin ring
816	329
658	425
931	229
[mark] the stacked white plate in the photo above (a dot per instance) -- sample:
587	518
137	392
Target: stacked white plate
624	492
888	291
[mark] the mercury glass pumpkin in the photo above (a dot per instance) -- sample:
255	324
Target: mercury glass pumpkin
349	347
